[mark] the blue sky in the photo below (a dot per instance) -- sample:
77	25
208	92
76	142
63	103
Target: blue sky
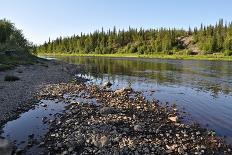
41	19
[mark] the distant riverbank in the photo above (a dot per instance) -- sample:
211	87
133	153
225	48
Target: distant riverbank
157	56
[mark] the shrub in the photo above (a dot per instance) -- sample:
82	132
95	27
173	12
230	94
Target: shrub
228	53
11	78
188	52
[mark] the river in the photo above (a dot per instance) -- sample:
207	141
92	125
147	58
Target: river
203	89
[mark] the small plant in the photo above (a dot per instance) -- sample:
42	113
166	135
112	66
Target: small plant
211	133
228	53
11	78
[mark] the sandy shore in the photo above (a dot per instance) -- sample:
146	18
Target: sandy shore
17	96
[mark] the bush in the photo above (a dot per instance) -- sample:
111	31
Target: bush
188	52
228	53
11	78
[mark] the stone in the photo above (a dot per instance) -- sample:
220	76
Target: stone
43	105
119	91
180	150
64	153
107	110
138	128
173	119
104	141
107	84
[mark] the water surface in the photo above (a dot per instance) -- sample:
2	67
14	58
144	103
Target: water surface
202	88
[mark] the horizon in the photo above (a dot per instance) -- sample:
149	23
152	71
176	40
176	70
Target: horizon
42	20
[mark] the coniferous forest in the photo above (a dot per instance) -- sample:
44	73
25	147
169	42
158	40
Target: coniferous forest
203	40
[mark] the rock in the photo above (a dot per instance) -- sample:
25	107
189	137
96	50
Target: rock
104	141
107	84
180	150
173	119
59	145
5	147
119	91
107	110
43	105
138	128
64	153
185	147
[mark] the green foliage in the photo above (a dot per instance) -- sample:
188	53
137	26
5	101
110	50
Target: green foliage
11	78
14	48
209	39
12	38
112	41
228	53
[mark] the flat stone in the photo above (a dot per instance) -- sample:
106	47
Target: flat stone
173	119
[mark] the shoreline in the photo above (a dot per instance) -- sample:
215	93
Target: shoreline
122	122
18	96
108	111
154	56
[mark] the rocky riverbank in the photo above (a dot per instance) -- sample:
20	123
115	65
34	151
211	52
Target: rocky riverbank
18	96
101	121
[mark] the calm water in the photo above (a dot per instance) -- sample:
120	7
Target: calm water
202	88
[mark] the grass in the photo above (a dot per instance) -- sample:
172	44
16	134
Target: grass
17	58
158	56
11	78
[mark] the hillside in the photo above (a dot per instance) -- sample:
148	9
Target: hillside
204	40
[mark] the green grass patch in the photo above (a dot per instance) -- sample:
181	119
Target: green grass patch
11	78
157	56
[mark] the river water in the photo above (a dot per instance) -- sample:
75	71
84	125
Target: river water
203	89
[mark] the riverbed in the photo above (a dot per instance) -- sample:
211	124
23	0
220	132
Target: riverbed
203	89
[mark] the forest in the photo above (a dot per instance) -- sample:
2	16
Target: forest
203	40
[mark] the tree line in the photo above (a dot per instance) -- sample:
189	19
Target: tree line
207	39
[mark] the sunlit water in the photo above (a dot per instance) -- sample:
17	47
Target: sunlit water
202	88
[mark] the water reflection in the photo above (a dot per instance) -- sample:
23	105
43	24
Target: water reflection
202	88
210	76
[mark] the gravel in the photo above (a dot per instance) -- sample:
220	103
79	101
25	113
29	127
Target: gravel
17	96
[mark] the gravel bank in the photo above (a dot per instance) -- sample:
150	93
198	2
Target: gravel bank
102	121
17	96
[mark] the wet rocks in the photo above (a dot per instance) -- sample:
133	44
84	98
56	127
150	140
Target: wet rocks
121	124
